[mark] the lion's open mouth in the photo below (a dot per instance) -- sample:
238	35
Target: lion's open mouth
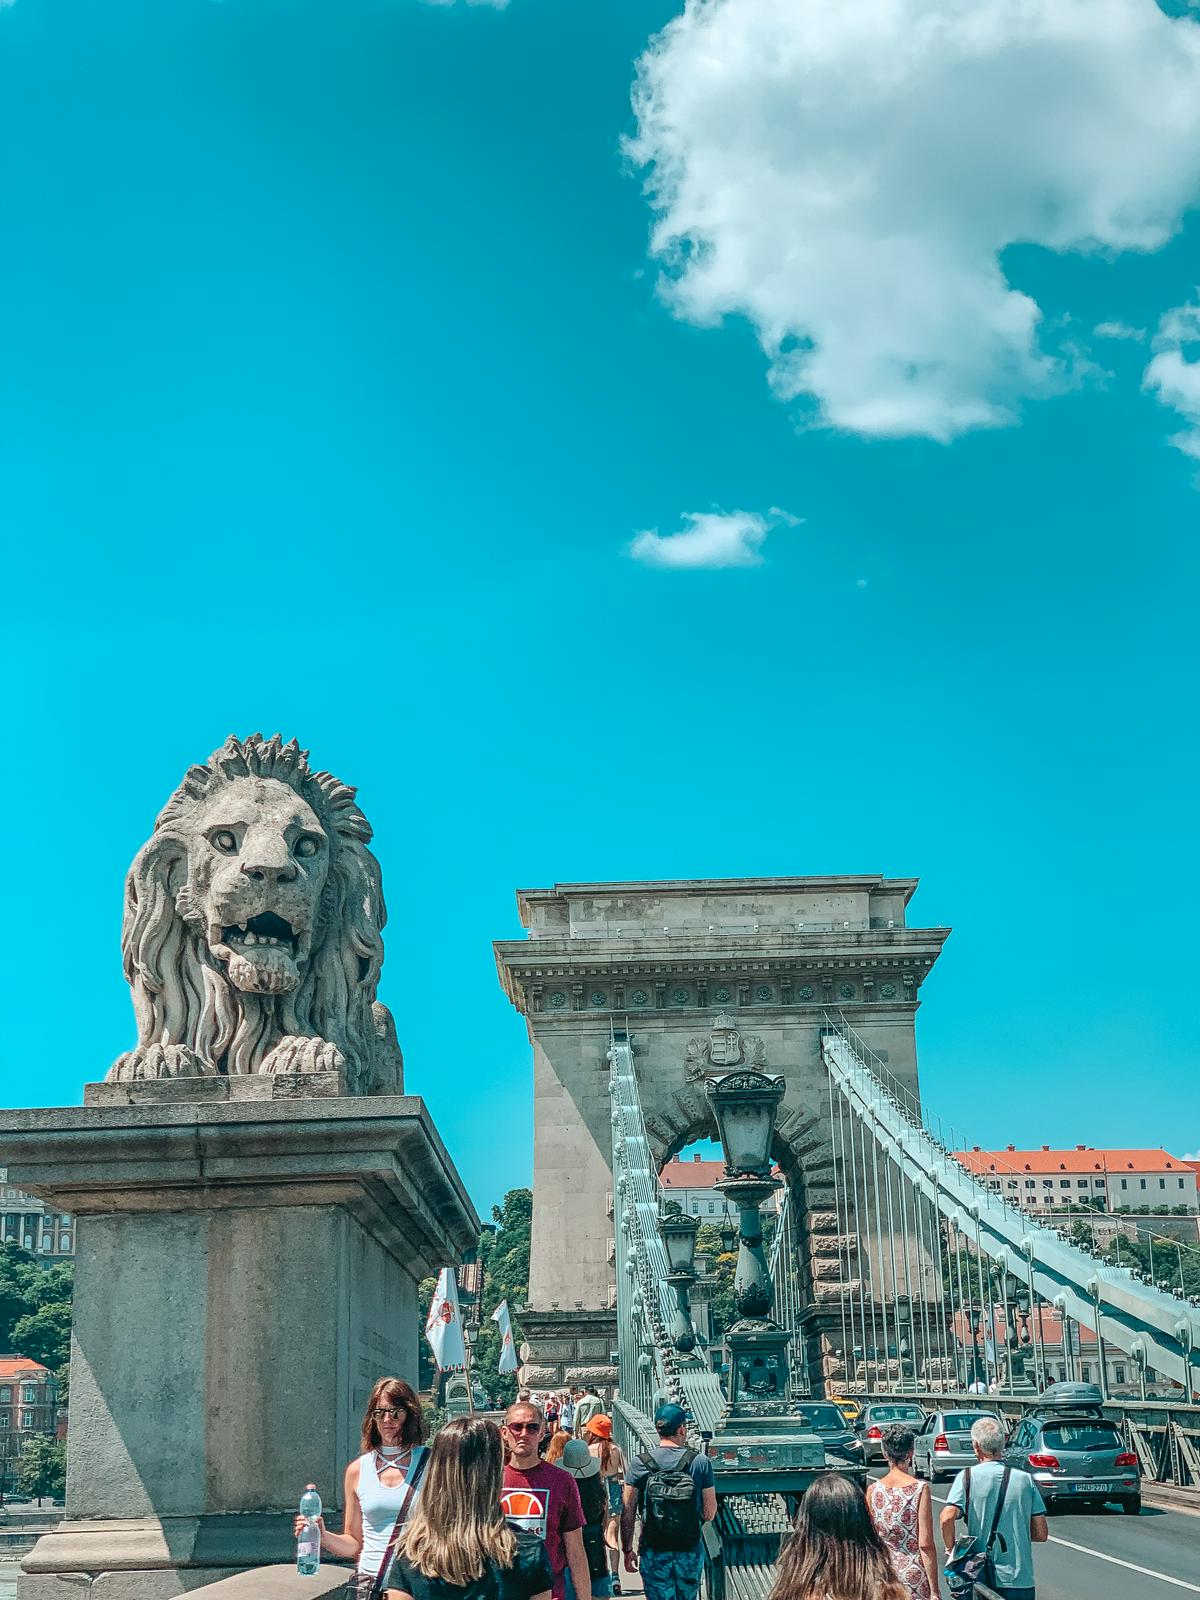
266	929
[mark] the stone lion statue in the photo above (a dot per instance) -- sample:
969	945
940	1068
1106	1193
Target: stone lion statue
252	931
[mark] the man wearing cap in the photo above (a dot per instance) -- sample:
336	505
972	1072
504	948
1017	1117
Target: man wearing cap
668	1572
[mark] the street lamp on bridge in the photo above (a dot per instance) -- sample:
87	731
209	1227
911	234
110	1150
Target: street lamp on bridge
758	1430
679	1237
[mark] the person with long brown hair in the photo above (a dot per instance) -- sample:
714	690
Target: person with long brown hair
381	1484
835	1552
457	1544
558	1443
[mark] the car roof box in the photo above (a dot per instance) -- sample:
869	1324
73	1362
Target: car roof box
1061	1396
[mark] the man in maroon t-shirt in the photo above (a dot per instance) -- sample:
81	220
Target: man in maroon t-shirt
544	1499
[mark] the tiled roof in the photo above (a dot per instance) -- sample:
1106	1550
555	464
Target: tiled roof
691	1174
1044	1323
20	1367
694	1174
1081	1159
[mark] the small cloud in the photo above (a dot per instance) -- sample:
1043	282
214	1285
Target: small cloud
496	5
1175	380
711	539
860	583
1119	330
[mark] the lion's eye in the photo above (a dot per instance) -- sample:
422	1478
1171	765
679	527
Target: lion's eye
223	841
306	845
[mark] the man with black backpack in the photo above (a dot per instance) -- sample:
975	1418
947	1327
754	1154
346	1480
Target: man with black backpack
673	1488
1004	1517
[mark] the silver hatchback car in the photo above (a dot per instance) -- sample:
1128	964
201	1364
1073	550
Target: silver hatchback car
1076	1454
944	1446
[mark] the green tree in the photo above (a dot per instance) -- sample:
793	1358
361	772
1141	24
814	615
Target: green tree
505	1256
43	1468
504	1253
45	1334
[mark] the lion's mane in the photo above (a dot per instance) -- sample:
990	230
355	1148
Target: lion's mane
181	994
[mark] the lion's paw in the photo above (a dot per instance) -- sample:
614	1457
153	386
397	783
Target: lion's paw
158	1061
299	1053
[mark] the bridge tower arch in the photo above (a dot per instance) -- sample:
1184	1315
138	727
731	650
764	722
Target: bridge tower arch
704	974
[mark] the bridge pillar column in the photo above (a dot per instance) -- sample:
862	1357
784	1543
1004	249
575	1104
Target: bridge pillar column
667	961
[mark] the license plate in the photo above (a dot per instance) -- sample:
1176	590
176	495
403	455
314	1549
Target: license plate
1093	1488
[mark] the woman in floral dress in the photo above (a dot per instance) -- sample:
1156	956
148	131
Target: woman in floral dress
903	1516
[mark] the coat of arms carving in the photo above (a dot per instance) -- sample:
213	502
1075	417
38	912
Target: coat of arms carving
723	1049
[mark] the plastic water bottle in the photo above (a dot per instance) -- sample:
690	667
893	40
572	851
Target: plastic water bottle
308	1544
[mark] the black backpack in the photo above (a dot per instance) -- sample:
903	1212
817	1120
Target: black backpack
670	1520
594	1499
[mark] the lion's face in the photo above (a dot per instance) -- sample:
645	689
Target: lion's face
258	859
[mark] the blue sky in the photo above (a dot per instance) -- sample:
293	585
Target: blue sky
337	377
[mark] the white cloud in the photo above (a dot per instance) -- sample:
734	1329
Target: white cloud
1175	380
710	539
497	5
1119	330
846	175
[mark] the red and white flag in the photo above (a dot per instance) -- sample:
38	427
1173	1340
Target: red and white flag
508	1354
443	1327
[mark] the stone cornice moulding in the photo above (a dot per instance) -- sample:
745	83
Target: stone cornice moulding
379	1156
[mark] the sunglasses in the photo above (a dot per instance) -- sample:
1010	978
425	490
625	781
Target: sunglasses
394	1412
523	1427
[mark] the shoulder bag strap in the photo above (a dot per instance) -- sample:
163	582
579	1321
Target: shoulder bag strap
398	1526
991	1538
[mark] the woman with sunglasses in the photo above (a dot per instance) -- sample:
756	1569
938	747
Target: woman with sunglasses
378	1482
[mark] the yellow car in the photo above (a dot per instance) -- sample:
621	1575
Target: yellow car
848	1406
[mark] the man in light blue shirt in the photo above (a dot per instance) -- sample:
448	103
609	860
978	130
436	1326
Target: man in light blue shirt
1022	1517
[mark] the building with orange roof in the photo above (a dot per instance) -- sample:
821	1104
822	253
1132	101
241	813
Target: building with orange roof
693	1183
28	1406
1045	1178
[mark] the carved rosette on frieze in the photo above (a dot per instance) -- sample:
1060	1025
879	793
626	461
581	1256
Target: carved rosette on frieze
724	1048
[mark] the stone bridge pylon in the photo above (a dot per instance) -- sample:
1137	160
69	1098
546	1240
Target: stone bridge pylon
710	974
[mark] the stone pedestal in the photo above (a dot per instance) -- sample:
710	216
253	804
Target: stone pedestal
246	1269
565	1347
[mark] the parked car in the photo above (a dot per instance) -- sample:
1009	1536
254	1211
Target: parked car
944	1444
1074	1453
879	1414
843	1448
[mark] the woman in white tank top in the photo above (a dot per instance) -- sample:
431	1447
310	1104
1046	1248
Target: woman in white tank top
393	1441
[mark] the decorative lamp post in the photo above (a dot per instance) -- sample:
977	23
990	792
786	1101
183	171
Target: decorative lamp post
760	1446
729	1235
679	1237
745	1105
974	1315
904	1348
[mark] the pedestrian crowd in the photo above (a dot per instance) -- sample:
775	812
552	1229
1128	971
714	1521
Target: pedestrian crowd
534	1510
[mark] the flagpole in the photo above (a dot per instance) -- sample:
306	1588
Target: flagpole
467	1343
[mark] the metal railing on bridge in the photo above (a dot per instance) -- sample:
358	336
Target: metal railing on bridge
651	1369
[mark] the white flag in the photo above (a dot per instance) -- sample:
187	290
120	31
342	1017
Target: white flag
443	1328
508	1355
